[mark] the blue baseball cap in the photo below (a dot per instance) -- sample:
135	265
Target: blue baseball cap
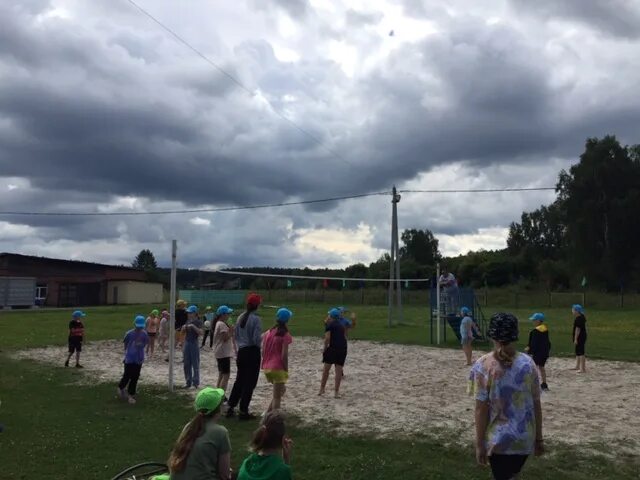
334	313
537	317
465	311
283	315
192	309
78	313
578	308
342	309
223	310
139	321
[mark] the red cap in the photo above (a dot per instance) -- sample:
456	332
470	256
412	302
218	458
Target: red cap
254	300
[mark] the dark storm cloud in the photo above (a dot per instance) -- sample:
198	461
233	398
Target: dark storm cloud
620	18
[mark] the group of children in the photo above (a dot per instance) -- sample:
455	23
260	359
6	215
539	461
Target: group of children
539	344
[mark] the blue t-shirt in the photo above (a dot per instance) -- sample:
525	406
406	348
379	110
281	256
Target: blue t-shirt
464	328
134	342
345	322
338	339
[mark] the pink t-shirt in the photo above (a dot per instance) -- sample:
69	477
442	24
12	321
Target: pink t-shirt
272	350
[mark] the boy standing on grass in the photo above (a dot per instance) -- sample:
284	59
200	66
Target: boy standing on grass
76	336
539	346
135	341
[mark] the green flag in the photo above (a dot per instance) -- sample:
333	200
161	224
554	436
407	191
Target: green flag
289	283
344	283
406	284
584	282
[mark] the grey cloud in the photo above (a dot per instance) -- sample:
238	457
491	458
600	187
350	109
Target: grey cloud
356	18
620	18
297	9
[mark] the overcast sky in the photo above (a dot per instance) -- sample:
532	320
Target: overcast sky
101	110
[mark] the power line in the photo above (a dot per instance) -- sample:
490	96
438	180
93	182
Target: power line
482	190
194	210
233	79
263	205
305	277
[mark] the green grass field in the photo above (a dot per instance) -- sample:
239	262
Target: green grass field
57	428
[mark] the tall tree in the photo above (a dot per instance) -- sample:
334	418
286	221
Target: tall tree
145	261
421	246
601	199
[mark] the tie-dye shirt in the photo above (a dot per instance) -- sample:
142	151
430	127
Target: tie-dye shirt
511	393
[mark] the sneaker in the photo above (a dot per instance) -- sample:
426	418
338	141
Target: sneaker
121	393
132	401
79	366
544	387
246	416
230	413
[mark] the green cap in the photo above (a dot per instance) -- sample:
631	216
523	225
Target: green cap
155	312
208	399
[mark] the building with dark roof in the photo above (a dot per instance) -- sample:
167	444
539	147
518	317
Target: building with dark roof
70	283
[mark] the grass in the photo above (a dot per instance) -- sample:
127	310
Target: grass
55	426
611	332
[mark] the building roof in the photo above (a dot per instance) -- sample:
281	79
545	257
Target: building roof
61	261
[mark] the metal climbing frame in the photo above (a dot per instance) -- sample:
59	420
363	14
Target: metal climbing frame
451	301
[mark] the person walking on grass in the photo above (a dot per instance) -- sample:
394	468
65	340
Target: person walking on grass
191	351
151	326
275	356
203	449
224	344
335	351
579	337
271	451
135	342
76	337
539	346
163	330
208	327
467	333
248	333
508	413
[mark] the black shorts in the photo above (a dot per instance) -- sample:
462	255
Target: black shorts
334	356
224	365
540	361
75	345
505	467
580	349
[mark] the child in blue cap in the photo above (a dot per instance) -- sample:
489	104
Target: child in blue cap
335	351
466	333
539	346
76	336
579	337
135	341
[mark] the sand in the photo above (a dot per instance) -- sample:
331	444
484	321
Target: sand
395	390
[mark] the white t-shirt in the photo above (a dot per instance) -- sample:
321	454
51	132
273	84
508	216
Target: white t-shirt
222	348
448	281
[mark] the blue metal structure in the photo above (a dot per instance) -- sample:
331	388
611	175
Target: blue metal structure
451	301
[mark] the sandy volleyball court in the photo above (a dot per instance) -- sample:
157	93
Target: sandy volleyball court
398	390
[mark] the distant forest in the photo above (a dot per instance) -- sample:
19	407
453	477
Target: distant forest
589	236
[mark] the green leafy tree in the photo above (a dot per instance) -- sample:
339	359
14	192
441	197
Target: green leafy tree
145	261
421	246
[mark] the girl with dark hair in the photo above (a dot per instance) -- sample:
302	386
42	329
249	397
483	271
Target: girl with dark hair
248	334
508	414
271	451
203	449
275	356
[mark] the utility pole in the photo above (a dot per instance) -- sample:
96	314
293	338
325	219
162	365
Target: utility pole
394	260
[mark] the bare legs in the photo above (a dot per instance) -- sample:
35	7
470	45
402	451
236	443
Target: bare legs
279	390
581	364
223	381
325	378
543	375
466	347
151	346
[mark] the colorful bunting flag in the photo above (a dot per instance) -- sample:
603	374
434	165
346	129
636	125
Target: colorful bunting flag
289	284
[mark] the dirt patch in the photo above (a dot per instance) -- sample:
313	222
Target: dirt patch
397	390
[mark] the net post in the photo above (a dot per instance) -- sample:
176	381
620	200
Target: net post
172	313
438	302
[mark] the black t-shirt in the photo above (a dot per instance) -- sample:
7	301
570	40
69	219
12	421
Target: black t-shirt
338	339
581	323
76	329
181	318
